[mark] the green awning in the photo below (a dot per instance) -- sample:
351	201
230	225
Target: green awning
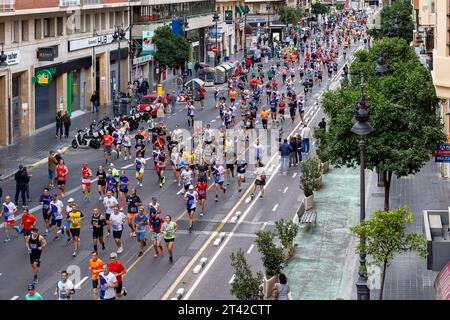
239	10
246	9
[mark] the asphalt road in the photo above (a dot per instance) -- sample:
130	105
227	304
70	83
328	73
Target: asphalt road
149	277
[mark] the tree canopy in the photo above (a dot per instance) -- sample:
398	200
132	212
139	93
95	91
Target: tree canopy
171	49
319	8
385	236
403	107
396	21
289	15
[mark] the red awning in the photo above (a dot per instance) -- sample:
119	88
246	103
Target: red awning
442	283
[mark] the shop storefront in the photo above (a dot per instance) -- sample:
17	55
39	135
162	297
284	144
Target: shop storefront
196	38
118	72
60	87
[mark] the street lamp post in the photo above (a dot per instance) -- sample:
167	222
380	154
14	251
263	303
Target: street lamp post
3	58
246	11
362	127
381	69
268	7
216	20
118	36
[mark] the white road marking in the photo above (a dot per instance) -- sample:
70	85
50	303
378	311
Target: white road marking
78	285
285	189
213	120
250	249
275	207
294	175
264	225
232	279
248	199
15	298
181	190
218	117
224	244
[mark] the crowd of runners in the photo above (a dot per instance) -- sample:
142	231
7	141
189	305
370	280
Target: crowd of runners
208	158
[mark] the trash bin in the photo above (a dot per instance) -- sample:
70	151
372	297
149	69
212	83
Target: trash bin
159	89
125	105
116	107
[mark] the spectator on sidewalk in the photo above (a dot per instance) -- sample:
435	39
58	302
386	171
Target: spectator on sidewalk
189	68
95	101
27	177
67	123
59	125
293	154
306	135
21	179
168	103
173	101
323	124
281	290
145	87
130	90
197	67
52	162
285	149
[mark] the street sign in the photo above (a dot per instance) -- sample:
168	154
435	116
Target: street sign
214	49
443	153
181	99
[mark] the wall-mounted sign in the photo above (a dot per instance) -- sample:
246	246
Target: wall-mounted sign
92	41
195	43
46	54
147	42
142	59
12	57
443	153
44	77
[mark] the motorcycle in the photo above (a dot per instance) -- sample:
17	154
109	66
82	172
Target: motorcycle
83	138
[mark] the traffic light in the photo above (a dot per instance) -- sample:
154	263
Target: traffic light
229	16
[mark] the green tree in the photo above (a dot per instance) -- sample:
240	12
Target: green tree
289	15
386	235
396	21
319	8
403	107
310	172
245	285
171	49
271	255
339	7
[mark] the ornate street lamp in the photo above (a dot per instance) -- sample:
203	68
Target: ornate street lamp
118	36
362	127
381	67
246	10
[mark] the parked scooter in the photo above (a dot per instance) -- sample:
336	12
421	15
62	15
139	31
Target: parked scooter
85	139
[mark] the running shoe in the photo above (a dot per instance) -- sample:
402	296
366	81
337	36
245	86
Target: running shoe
108	234
17	229
103	246
156	254
201	214
140	254
55	238
100	198
74	254
7	239
36	281
46	233
124	291
160	185
120	250
161	250
171	259
145	242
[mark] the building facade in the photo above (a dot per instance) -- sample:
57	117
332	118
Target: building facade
58	52
441	64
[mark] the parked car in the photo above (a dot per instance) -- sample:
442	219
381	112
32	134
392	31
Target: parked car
150	100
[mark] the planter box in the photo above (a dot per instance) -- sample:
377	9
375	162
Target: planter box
319	180
268	285
309	202
289	251
325	167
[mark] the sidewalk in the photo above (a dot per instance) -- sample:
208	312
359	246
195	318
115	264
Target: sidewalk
319	271
407	278
32	150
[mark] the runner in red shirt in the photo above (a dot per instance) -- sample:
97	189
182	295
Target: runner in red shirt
201	95
28	222
61	176
107	141
119	270
202	187
86	175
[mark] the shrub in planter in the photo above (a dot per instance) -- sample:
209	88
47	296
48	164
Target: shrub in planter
310	172
287	231
245	285
322	148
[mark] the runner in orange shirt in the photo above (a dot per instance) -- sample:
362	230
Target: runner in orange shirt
95	265
107	141
264	117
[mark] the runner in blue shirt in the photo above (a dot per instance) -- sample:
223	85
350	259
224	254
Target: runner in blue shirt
45	200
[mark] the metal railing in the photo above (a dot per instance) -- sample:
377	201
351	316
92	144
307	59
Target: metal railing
7	5
69	3
91	2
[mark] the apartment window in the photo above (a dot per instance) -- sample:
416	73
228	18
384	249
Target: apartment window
47	27
15	32
119	18
125	18
59	26
38	29
96	21
103	22
433	7
87	23
111	20
2	32
25	30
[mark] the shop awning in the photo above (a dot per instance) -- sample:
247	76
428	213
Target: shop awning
220	69
239	9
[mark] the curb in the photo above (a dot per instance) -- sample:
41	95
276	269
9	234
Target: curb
35	164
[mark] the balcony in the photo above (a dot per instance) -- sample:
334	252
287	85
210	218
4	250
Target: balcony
69	3
91	2
7	5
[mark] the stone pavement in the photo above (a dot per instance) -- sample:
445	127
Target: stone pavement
319	271
407	278
32	149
